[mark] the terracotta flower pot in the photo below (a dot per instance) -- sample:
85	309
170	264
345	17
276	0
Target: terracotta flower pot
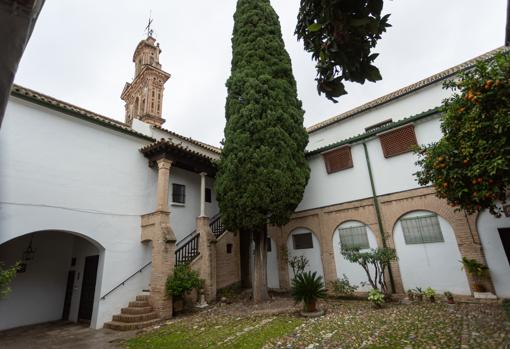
419	297
450	300
311	307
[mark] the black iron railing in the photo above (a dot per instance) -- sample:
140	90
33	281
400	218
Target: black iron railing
126	280
217	226
187	252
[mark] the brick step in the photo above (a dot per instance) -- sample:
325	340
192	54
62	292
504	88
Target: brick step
131	318
142	298
139	304
127	326
136	311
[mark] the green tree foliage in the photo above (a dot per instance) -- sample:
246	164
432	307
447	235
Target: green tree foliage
262	172
6	277
470	165
340	35
375	262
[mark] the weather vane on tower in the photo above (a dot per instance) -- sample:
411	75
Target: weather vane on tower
148	27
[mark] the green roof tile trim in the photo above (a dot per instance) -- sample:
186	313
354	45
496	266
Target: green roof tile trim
72	110
370	134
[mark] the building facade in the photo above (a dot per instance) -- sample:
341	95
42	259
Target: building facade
99	211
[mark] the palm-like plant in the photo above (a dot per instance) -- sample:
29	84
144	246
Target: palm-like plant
308	287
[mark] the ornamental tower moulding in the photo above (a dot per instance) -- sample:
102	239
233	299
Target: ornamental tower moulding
144	96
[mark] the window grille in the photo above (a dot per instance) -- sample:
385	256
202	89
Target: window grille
178	193
398	142
422	230
302	241
338	160
354	237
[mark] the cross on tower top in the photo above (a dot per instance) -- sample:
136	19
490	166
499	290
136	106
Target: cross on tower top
148	29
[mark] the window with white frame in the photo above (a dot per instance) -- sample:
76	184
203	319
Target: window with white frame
354	237
422	229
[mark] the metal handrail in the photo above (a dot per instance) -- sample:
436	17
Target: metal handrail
192	234
188	252
123	282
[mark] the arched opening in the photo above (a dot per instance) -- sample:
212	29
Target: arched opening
303	242
428	253
352	234
59	280
495	237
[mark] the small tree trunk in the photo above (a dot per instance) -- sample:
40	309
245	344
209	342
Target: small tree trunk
260	268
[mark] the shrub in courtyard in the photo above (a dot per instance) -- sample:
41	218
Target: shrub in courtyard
477	271
342	287
298	264
430	294
182	281
375	262
449	297
470	165
308	287
6	277
376	297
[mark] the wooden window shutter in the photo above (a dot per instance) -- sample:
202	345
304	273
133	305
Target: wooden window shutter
399	141
338	160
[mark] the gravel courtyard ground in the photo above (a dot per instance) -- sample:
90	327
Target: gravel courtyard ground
346	324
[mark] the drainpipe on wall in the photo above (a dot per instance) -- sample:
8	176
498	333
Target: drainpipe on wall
378	212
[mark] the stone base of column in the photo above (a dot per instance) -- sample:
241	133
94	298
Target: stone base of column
207	247
156	228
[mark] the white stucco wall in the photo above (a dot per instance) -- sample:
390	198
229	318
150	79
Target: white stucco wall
435	265
273	279
497	260
353	271
424	99
58	172
37	294
312	254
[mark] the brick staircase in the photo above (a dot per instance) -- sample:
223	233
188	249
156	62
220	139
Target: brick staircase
139	314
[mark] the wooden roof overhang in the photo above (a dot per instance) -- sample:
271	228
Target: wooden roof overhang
180	155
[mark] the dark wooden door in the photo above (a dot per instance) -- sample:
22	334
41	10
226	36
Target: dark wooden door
69	295
504	234
88	287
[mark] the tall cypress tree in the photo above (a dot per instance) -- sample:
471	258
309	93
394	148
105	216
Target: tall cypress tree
263	172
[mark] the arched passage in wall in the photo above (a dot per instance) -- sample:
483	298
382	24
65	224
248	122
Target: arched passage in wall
303	242
495	237
60	279
428	253
352	234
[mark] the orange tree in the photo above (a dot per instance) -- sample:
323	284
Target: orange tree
470	165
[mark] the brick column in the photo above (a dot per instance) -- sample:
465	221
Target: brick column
207	248
156	228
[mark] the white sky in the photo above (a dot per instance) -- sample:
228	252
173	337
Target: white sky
81	51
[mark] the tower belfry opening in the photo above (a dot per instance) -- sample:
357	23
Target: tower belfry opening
144	96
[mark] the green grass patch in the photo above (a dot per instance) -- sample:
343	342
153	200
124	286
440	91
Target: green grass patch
506	308
219	332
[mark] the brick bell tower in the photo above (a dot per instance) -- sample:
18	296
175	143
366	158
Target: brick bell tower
144	96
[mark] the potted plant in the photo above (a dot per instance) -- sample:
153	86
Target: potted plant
410	294
449	297
419	294
308	287
181	282
430	294
477	271
376	297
